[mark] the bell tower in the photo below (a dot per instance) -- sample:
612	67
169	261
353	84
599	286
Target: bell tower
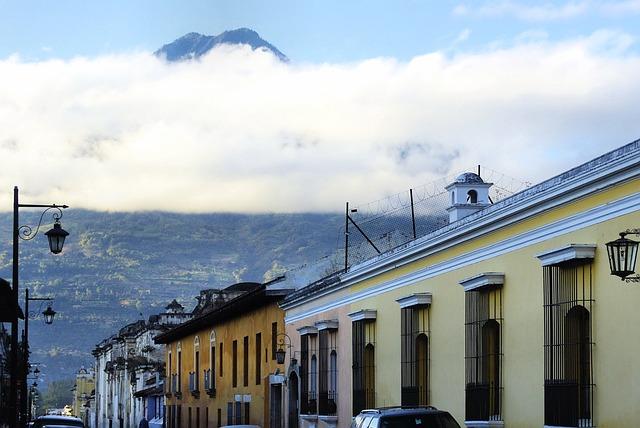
468	194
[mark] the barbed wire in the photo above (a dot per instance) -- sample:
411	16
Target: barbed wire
392	221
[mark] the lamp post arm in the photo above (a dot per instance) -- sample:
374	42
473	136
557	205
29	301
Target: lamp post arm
26	233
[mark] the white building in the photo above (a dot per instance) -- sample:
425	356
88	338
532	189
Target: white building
129	373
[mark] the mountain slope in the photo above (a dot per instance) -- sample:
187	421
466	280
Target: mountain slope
194	45
116	266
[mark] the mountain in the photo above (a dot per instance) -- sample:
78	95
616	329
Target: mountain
117	266
194	45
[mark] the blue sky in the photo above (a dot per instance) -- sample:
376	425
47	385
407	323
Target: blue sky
380	96
308	31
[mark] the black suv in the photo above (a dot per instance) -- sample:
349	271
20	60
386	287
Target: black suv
404	417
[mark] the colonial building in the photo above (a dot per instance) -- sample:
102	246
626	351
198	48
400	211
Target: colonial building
129	372
507	316
221	365
83	392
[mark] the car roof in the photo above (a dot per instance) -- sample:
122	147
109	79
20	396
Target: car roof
402	410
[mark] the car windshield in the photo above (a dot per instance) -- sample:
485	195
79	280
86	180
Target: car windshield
435	420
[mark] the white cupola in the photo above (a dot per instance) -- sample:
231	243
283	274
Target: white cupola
468	194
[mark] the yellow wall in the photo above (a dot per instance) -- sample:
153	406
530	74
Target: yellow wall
250	323
614	315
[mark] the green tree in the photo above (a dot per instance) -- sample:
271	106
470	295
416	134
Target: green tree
58	394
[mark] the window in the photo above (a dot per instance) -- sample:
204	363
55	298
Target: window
238	413
483	353
245	361
170	371
220	418
246	413
327	372
363	344
221	359
274	339
179	364
230	413
258	358
308	370
568	385
414	355
234	364
472	197
304	374
212	362
196	363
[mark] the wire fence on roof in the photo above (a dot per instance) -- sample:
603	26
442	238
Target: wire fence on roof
393	221
380	226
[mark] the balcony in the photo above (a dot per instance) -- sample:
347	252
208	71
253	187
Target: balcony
210	382
194	388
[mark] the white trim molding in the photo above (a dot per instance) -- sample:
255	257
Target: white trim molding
418	299
326	325
484	424
483	280
307	329
568	253
363	314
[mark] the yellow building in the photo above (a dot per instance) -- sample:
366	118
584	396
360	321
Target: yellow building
83	390
221	366
506	317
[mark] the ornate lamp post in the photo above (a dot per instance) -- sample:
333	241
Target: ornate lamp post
281	353
623	253
56	237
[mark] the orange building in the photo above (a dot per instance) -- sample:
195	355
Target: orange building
221	365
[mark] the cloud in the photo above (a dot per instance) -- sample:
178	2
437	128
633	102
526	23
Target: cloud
538	12
549	11
241	131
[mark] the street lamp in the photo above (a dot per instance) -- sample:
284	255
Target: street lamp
48	315
281	353
56	237
622	254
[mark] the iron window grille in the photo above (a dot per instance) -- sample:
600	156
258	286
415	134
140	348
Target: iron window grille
304	374
327	380
483	354
415	356
364	367
568	345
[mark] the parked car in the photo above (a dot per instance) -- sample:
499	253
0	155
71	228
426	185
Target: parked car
57	421
404	417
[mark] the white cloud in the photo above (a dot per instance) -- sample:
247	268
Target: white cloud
622	7
240	131
537	12
547	11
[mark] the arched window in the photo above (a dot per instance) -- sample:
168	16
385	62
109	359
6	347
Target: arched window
453	198
472	197
422	368
196	363
369	375
333	372
491	365
577	358
179	367
313	378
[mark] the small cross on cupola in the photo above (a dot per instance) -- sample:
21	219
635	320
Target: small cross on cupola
469	194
